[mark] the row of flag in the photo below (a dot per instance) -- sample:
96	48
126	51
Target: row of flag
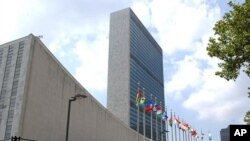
150	107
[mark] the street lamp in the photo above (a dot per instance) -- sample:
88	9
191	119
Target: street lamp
73	98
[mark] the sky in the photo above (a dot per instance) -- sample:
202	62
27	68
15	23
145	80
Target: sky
77	33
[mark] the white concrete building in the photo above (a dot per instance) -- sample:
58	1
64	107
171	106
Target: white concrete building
34	93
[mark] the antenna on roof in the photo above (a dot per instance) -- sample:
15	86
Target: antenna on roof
40	36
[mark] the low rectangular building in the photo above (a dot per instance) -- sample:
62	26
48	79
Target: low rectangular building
34	94
225	134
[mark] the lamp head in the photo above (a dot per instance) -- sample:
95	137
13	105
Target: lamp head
78	96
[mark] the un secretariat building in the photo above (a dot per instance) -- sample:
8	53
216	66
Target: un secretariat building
134	56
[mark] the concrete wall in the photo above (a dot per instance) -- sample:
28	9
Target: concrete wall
49	87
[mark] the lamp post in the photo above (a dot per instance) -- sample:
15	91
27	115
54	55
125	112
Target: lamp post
77	96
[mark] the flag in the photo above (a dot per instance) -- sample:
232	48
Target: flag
193	133
171	120
184	126
156	107
149	105
164	116
138	97
159	111
142	100
190	129
176	121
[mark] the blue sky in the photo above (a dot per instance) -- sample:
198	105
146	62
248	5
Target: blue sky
77	32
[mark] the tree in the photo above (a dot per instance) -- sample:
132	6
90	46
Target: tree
231	43
247	118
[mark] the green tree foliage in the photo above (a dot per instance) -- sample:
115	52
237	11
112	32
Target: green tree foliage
231	43
247	118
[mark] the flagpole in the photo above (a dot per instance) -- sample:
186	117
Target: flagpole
138	114
185	133
151	114
144	129
161	126
183	138
179	130
175	130
184	130
202	135
167	123
156	126
172	126
189	137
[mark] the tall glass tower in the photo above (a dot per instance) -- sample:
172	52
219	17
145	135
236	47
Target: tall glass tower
134	57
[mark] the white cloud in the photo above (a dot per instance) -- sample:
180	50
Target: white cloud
142	9
188	75
81	26
181	24
14	15
219	99
93	55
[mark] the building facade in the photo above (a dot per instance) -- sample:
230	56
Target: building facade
13	71
34	95
225	134
134	57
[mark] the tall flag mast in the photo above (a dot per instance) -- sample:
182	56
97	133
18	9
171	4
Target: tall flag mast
137	100
179	128
209	136
175	128
151	114
144	129
171	124
167	122
160	115
155	110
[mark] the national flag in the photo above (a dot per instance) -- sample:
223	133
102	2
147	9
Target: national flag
164	116
190	129
156	107
184	126
193	133
176	121
159	111
142	101
149	105
138	97
171	120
